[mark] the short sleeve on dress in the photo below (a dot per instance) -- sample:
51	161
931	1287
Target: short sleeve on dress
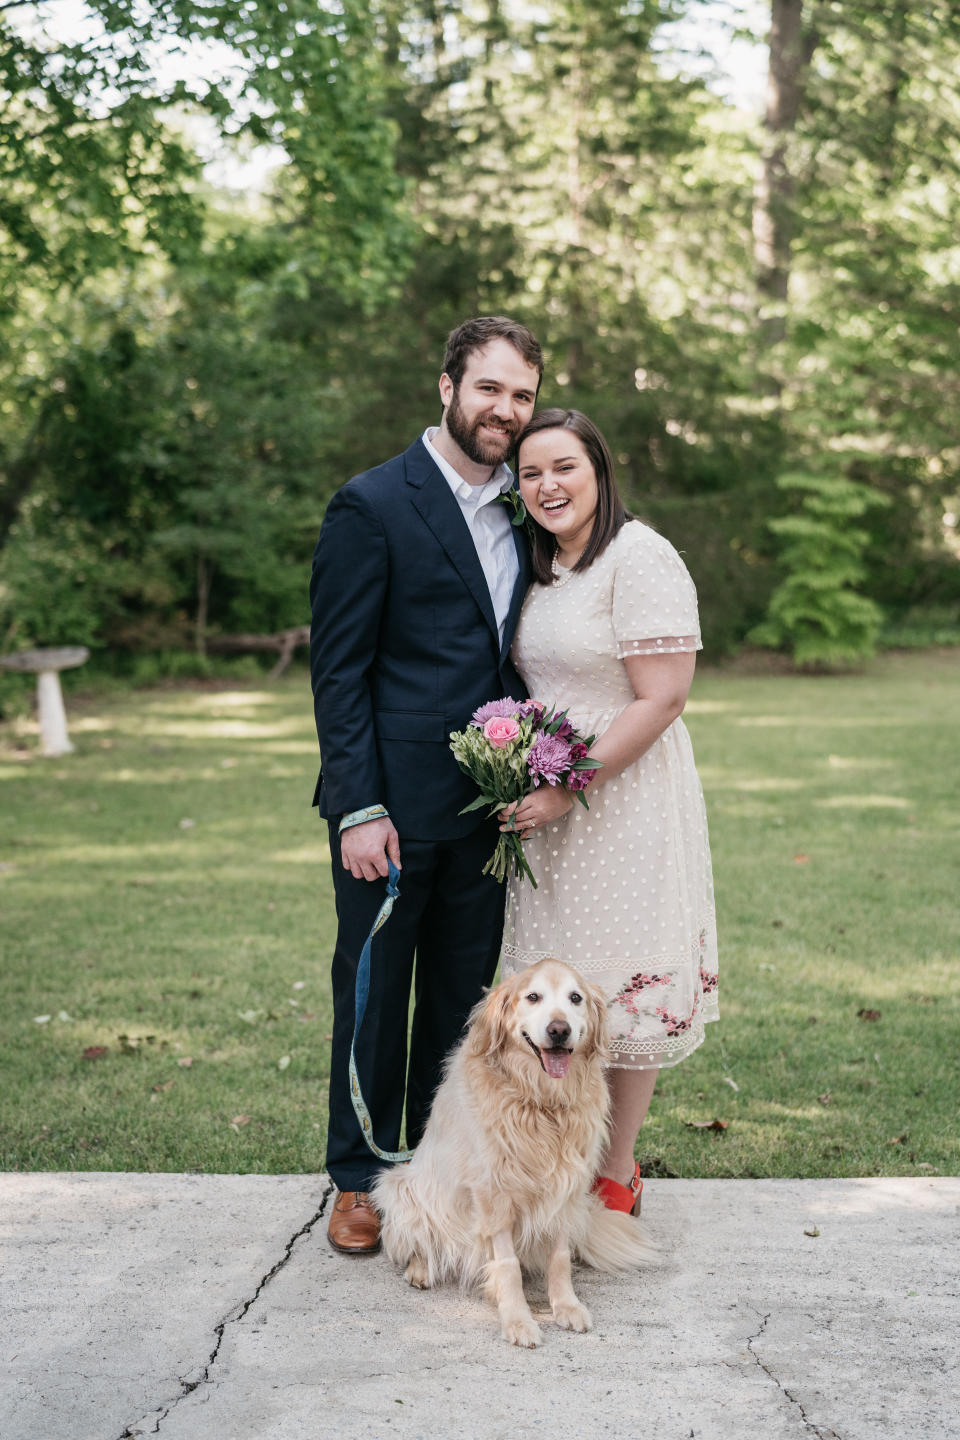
654	599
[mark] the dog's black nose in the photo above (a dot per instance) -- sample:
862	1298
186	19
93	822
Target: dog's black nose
559	1032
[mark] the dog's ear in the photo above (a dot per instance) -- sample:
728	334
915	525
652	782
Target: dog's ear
598	1030
488	1023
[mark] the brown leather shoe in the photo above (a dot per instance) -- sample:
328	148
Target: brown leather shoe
354	1227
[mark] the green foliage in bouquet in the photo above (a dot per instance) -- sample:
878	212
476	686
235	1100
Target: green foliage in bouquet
510	768
816	612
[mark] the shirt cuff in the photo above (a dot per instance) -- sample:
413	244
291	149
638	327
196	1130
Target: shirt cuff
360	817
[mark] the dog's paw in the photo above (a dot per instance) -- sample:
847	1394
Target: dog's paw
417	1274
571	1315
523	1331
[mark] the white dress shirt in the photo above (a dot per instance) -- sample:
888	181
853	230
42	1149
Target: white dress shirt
490	527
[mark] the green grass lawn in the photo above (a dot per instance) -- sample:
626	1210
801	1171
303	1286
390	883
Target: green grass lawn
165	902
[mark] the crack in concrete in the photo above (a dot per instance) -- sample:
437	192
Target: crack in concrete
822	1434
189	1386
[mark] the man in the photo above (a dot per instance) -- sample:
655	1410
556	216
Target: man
418	580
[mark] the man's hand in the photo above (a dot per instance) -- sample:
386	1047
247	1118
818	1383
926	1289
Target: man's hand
364	849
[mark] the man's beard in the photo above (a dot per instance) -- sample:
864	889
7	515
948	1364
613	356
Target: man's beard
467	436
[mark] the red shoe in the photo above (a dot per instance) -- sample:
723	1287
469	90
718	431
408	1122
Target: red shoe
620	1197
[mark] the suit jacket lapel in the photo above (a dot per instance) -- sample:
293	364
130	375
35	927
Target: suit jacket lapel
434	500
520	588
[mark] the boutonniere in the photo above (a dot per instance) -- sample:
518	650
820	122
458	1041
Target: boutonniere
513	499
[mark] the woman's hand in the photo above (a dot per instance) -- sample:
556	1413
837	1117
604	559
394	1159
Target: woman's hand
541	807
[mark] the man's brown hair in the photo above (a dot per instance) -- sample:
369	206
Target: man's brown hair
475	334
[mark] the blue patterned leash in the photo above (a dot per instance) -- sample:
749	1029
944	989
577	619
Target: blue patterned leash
360	1004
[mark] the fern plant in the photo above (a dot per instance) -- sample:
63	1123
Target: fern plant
817	612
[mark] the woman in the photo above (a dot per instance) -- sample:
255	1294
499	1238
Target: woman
609	630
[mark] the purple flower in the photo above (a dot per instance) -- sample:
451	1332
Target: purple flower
549	759
579	779
506	707
564	731
536	708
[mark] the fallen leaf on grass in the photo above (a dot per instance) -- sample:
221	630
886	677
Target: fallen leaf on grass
869	1014
167	1085
40	1019
813	1232
187	824
240	1120
251	1016
283	1062
928	1169
898	1140
728	1080
707	1124
826	1098
186	1061
298	985
801	859
64	1017
94	1052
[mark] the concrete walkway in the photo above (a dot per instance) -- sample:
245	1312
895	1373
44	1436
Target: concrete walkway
210	1306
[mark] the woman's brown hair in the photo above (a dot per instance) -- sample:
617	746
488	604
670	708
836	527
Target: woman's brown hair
611	514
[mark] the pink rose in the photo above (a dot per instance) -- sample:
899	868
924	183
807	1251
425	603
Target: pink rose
501	730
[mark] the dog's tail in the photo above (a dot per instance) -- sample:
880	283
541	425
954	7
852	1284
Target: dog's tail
613	1241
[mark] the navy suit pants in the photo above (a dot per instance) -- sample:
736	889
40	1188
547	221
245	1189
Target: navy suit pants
443	941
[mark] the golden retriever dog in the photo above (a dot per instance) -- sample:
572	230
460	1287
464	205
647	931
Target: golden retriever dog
500	1182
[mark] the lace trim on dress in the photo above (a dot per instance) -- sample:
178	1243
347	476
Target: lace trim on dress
664	645
656	1052
523	958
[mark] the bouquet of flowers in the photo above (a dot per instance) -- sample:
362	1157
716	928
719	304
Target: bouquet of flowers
509	749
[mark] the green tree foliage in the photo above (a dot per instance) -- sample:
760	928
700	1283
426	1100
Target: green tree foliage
99	189
868	366
817	612
186	376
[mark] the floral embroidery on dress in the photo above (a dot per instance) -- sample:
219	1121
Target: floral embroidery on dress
627	996
709	979
675	1026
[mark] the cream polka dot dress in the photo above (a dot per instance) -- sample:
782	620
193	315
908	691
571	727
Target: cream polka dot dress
625	888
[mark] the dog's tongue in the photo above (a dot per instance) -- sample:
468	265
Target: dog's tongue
556	1063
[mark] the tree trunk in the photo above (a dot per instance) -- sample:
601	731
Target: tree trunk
203	604
897	76
576	205
791	49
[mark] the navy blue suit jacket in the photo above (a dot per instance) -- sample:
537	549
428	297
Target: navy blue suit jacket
404	646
